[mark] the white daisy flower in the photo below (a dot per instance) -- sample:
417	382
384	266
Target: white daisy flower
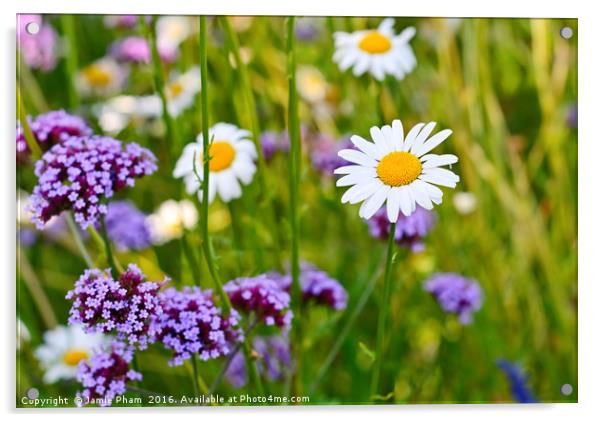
63	349
181	90
173	30
311	84
170	220
379	51
395	170
232	156
102	78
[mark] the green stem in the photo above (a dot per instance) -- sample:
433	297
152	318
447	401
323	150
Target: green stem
252	366
384	312
109	252
78	239
355	313
151	35
192	259
71	59
294	165
197	380
36	151
207	245
236	235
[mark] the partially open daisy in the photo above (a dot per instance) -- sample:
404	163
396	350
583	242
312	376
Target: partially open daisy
231	160
395	170
379	51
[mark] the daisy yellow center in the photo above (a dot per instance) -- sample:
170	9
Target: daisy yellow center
399	168
221	155
97	76
375	43
74	356
174	89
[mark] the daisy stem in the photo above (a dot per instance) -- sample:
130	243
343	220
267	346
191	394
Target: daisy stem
151	35
384	312
78	239
249	100
71	58
207	245
294	164
191	258
108	250
378	90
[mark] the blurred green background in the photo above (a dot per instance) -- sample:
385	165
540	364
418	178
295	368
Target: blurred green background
504	86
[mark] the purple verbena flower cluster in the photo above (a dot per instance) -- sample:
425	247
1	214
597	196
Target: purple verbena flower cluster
50	129
274	361
79	173
409	231
317	286
39	50
456	294
125	306
191	323
127	226
105	374
262	296
324	153
133	49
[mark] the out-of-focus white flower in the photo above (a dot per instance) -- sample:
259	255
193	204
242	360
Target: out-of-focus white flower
116	113
181	89
311	84
171	219
23	334
102	78
173	30
379	51
64	348
231	162
464	202
241	23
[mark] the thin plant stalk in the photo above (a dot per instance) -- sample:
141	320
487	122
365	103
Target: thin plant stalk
71	59
151	35
236	235
36	151
294	167
191	258
78	240
198	382
207	245
108	250
384	312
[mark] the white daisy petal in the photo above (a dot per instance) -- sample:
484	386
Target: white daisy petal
433	160
375	201
366	147
354	178
433	142
406	35
379	141
397	135
405	201
349	169
393	204
421	195
409	141
424	133
440	176
357	157
387	133
360	192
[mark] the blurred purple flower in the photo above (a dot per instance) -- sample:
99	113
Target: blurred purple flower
132	49
324	153
409	231
572	117
519	381
105	375
191	323
80	173
456	294
274	361
122	21
26	237
273	142
317	286
262	296
124	306
39	50
127	226
306	29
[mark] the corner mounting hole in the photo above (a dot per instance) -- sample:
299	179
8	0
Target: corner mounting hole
566	32
32	28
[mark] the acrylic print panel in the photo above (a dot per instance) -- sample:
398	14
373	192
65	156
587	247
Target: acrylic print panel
295	211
